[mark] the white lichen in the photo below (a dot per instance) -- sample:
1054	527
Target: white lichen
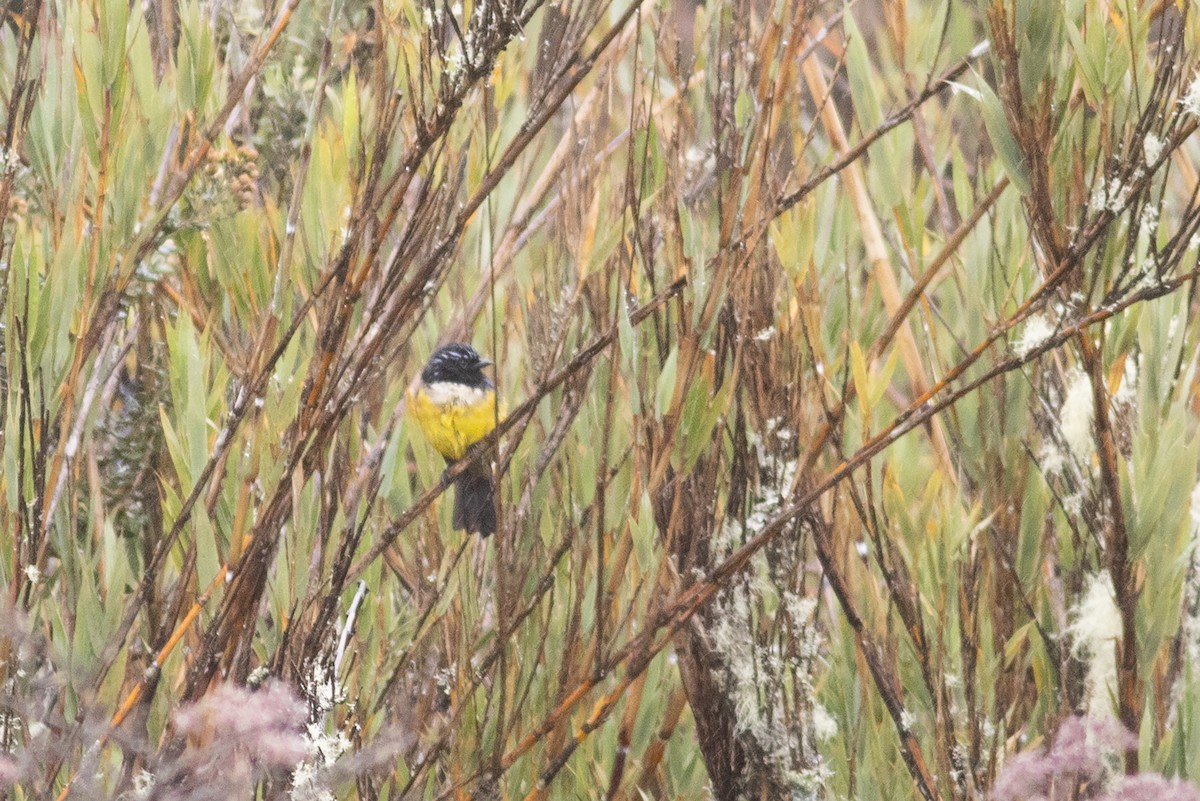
1152	147
731	637
10	727
259	675
1190	102
1149	220
824	726
324	688
770	501
309	781
770	683
1111	195
1095	630
143	785
9	161
1036	333
1076	416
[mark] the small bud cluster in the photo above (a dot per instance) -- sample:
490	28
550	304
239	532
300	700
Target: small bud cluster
225	184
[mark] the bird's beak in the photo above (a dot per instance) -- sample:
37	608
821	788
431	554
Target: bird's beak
484	361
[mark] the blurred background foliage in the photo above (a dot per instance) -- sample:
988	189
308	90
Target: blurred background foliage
849	354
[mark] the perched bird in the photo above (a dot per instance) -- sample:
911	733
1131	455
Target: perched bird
455	405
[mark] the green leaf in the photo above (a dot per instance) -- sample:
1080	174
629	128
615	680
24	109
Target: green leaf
1039	47
208	560
1002	139
114	20
666	383
864	78
884	378
862	379
793	235
1091	74
700	416
195	59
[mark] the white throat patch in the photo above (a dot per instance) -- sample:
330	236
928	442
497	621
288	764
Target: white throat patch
449	393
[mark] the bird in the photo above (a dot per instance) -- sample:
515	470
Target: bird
454	404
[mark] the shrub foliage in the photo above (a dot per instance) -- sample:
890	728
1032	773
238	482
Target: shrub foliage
849	357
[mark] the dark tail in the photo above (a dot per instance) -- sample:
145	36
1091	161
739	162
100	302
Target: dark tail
474	501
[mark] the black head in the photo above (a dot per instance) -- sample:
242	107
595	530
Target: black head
458	364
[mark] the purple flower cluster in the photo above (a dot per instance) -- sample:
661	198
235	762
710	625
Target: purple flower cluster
9	772
235	738
1151	787
265	725
1077	759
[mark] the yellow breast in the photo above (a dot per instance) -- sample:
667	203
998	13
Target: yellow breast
452	416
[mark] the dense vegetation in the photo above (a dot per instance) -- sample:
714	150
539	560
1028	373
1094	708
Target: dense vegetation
849	360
